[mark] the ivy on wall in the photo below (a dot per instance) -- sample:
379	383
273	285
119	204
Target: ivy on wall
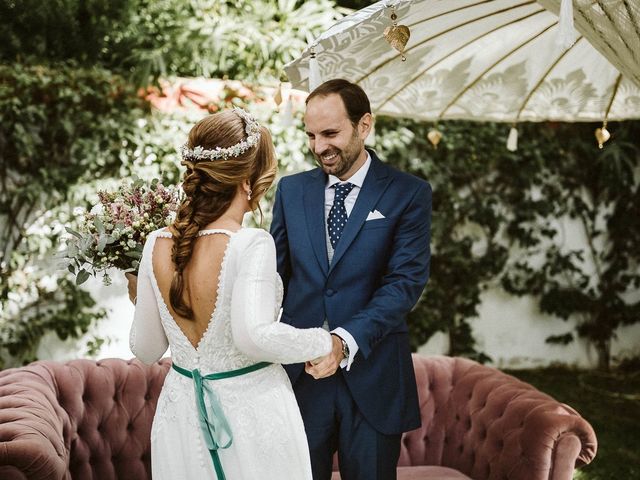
499	219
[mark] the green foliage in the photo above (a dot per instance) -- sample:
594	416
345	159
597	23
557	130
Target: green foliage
467	217
59	125
60	30
500	218
596	193
71	121
147	39
40	297
247	39
66	310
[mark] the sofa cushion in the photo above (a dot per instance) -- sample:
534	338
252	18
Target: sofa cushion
423	473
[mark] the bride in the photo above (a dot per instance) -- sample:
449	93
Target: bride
208	288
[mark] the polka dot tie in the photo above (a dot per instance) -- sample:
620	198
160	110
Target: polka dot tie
338	214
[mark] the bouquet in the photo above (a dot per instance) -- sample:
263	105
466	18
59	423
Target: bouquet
113	232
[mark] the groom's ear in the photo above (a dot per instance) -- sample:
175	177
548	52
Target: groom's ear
364	125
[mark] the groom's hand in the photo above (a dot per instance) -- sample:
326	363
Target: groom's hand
329	364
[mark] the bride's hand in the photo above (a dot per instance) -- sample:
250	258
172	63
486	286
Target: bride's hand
132	286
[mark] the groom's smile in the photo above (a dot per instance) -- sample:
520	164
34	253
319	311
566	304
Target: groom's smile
335	142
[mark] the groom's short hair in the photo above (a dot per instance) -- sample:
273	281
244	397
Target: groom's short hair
353	96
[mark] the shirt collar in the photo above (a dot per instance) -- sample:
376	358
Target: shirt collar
357	178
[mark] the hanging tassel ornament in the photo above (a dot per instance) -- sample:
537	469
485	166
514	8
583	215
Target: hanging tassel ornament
277	97
602	135
434	137
314	71
512	140
566	33
397	35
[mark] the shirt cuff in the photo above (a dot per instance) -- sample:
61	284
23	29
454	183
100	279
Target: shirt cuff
353	346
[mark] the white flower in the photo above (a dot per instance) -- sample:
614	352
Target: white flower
97	209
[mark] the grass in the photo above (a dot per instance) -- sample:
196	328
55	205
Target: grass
610	402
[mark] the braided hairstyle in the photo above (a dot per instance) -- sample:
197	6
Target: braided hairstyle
211	186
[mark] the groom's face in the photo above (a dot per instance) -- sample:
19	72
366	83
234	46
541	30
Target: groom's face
337	145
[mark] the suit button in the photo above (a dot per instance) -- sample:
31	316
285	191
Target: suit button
329	292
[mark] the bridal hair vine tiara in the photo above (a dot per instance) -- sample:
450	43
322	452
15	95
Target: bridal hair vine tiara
252	127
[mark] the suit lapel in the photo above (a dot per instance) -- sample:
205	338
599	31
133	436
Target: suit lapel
373	186
314	214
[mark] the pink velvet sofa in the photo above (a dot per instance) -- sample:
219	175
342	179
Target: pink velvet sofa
91	421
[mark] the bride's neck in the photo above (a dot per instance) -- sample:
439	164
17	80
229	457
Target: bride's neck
231	218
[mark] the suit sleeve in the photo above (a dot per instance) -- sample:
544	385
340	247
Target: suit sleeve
406	274
279	233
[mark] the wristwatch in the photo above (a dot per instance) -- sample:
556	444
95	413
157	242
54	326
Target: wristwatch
345	348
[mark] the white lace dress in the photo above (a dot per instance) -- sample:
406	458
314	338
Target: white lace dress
268	434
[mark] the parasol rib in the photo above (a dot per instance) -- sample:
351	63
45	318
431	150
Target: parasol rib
492	66
613	96
428	39
482	35
544	77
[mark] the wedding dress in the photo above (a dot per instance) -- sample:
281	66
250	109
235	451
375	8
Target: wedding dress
269	441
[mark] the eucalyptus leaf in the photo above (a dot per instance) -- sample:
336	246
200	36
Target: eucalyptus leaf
82	277
73	232
102	242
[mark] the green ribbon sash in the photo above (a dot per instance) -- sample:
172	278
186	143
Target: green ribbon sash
213	423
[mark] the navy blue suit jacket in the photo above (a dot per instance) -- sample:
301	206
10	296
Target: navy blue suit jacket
378	272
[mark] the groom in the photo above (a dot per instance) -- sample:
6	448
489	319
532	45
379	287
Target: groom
352	239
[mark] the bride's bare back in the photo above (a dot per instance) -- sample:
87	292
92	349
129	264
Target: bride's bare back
200	280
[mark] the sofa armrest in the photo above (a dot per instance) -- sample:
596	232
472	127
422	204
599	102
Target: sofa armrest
552	441
489	425
501	427
31	426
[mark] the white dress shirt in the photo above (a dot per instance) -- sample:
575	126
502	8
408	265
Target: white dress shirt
357	179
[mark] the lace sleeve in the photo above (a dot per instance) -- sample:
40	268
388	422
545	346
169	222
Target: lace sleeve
147	339
255	329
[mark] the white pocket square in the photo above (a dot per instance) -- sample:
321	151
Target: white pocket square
375	215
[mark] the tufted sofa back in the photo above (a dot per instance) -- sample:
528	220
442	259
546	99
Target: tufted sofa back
104	411
92	421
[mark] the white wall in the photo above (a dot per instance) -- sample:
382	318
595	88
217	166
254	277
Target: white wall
512	331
